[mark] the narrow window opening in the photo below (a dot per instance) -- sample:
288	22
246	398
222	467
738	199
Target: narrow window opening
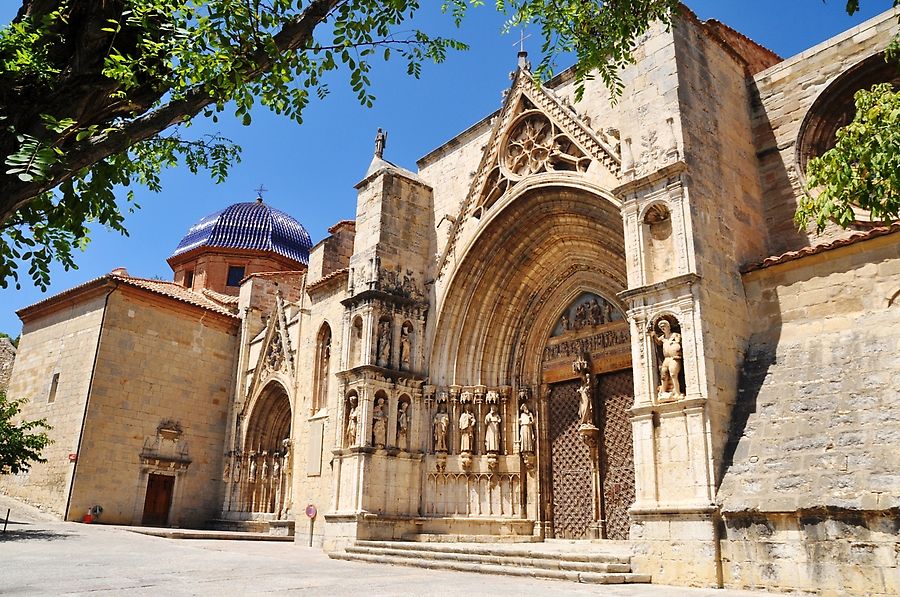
54	383
189	279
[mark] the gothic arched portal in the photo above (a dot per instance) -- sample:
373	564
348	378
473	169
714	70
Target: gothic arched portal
550	249
261	471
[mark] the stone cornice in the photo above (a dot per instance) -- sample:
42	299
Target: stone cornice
676	282
664	173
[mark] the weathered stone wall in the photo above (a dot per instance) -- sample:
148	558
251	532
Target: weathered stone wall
786	92
157	361
315	434
727	216
811	498
7	360
64	342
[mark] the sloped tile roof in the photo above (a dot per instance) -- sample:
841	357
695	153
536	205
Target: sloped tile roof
821	248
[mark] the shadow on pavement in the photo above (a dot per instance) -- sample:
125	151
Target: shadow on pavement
32	534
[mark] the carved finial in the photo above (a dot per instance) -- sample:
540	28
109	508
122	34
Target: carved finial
259	193
380	143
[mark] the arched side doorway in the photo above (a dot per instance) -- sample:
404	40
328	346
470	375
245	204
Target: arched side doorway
536	257
262	468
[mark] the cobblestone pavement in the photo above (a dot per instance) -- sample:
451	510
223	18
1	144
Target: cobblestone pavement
40	556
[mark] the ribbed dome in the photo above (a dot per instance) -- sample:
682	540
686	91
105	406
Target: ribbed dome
253	225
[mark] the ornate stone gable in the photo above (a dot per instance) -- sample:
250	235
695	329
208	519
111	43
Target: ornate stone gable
534	132
276	354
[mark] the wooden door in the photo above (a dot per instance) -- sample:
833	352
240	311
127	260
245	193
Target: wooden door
571	465
158	501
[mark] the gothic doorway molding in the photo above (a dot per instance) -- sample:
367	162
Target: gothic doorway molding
259	471
553	239
554	235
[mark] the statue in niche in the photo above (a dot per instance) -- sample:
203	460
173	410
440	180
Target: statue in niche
403	426
580	316
564	322
384	343
526	430
596	312
492	430
276	468
466	430
252	474
352	421
379	424
265	466
440	427
585	404
670	342
238	457
404	347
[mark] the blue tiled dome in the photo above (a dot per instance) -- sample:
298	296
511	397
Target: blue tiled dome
253	225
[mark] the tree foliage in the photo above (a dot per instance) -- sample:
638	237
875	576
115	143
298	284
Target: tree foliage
21	443
99	95
862	170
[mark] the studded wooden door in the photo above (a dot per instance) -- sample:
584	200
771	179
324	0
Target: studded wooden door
615	393
571	466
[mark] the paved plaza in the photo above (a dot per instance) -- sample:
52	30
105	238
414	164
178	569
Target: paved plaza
41	556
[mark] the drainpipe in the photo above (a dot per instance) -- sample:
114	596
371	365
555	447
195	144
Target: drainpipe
87	399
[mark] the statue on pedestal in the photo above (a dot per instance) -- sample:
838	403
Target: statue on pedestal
352	421
492	430
440	427
466	430
379	424
526	430
403	426
670	342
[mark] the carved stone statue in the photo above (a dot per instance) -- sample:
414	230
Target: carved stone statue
403	426
596	312
580	317
466	430
404	348
380	143
585	404
526	430
379	424
384	343
352	421
251	476
265	466
564	320
669	386
440	427
607	312
492	422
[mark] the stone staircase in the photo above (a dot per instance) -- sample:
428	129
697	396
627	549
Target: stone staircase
584	562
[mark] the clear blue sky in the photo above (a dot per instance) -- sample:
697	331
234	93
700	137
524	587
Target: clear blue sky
310	169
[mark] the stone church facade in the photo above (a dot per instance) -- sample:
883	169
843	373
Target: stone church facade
576	320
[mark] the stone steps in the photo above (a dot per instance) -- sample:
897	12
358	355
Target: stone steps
588	566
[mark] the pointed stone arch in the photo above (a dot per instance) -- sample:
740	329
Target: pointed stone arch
547	238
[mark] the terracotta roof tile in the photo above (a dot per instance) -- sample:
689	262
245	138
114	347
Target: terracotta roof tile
325	279
175	291
815	249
